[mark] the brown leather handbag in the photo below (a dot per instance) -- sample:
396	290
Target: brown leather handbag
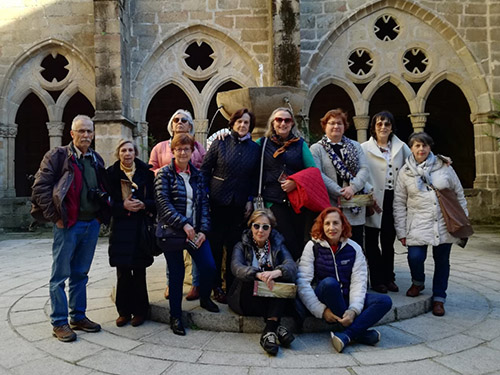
457	222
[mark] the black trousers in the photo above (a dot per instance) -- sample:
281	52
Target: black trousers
358	235
291	226
381	259
227	226
131	291
260	306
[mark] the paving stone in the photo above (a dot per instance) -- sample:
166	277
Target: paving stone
191	368
35	332
240	342
68	351
232	358
15	352
29	303
47	366
109	340
170	353
409	353
114	362
479	360
20	318
291	359
410	368
300	371
454	344
136	333
487	330
193	339
427	326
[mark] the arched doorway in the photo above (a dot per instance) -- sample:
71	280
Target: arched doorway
389	98
32	142
330	97
163	105
77	105
219	122
450	126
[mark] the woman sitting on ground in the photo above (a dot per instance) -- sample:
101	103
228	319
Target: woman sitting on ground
332	281
262	255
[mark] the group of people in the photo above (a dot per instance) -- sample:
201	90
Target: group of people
203	202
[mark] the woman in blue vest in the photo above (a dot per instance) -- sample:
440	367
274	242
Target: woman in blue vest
332	282
285	153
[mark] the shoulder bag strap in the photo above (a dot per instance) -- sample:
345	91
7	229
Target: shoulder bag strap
262	165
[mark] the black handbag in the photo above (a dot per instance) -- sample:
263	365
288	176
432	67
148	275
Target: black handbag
173	239
147	235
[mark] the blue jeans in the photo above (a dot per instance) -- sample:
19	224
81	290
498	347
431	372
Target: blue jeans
195	274
441	255
175	262
72	253
376	306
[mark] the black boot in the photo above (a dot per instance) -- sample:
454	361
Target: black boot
177	327
209	305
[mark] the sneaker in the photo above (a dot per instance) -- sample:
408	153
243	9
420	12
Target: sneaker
285	336
269	342
64	333
369	337
86	325
209	305
340	341
220	295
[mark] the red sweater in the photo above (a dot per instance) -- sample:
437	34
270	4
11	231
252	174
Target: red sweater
311	191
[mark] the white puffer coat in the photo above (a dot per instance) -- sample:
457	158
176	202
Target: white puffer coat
378	171
417	215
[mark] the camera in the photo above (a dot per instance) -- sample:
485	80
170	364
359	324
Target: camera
99	196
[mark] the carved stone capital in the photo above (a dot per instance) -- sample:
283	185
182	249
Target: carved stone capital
418	120
8	131
361	122
142	129
55	128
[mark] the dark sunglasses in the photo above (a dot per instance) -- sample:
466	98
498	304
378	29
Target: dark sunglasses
257	226
285	120
183	120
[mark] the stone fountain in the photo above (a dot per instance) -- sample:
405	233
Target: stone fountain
262	101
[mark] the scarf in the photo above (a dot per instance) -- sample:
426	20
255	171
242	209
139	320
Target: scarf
347	168
129	172
241	139
283	144
262	254
422	171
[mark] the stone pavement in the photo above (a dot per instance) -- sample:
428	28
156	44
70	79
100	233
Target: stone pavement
465	341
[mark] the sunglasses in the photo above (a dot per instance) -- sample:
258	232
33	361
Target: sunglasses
183	120
285	120
257	226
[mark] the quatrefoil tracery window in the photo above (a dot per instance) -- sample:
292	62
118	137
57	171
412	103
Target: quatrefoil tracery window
386	28
199	55
54	68
360	62
415	61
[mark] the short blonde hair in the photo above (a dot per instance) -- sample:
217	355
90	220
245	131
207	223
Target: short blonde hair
270	128
262	212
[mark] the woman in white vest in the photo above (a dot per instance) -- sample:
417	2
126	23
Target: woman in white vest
386	154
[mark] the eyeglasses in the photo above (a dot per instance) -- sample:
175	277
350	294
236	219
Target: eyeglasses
183	150
183	120
257	226
335	123
83	131
285	120
383	125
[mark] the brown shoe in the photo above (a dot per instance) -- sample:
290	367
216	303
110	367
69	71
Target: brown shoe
438	308
380	288
86	325
392	287
137	320
414	290
122	320
220	295
166	294
64	333
193	294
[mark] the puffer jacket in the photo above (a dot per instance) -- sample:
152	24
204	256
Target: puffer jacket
329	174
244	272
124	249
378	171
349	269
171	200
417	214
58	184
231	168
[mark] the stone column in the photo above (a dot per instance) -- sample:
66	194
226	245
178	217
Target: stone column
487	152
55	129
7	177
141	140
109	129
418	121
201	131
361	123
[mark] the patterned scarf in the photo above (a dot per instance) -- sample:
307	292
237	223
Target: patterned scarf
349	167
422	171
129	172
262	254
283	144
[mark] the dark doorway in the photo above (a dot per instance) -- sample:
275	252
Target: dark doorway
219	122
77	105
330	97
163	105
389	98
32	142
450	126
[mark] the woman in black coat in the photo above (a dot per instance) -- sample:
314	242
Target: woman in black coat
262	255
125	251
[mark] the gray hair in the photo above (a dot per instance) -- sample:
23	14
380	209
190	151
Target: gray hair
185	113
270	128
83	118
421	137
122	142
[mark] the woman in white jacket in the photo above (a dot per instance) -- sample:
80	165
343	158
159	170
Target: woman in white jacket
385	154
332	281
418	217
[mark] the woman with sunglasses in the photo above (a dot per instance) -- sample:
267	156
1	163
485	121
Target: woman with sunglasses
285	153
230	169
386	155
262	255
161	155
343	166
